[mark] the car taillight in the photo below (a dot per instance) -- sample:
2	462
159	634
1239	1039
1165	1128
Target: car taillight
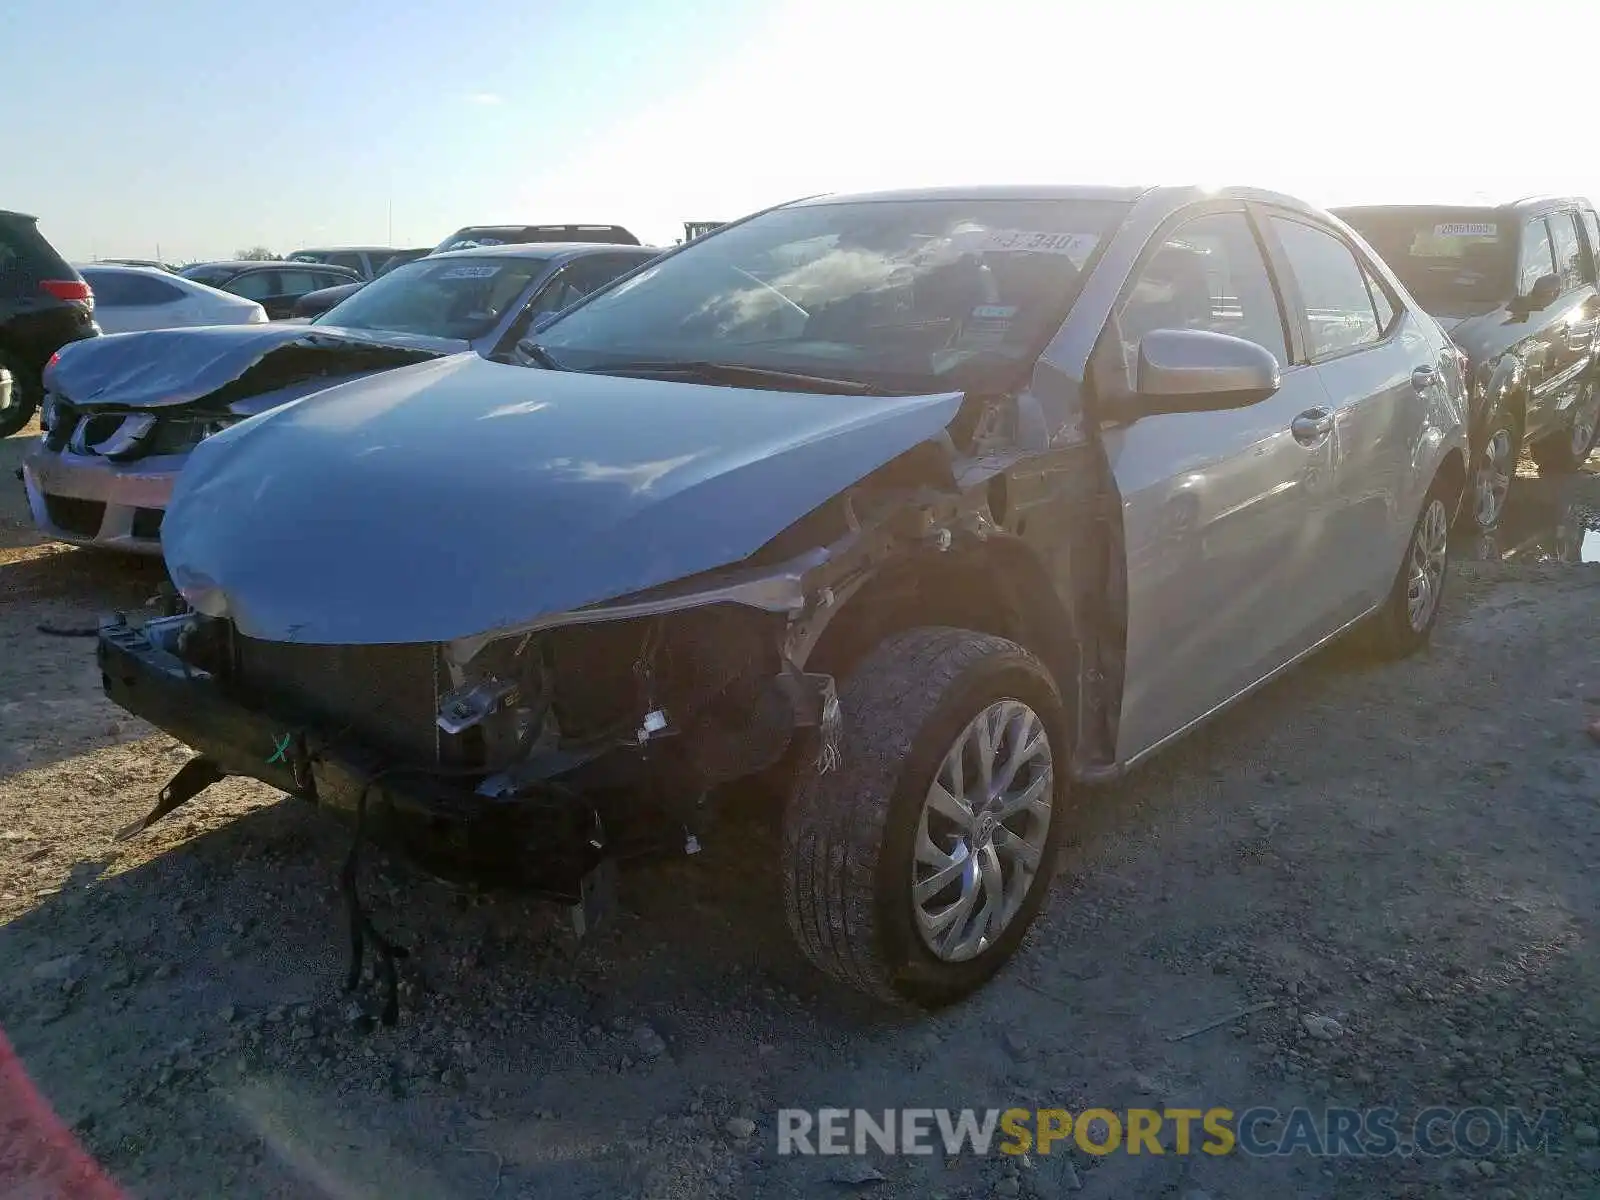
67	289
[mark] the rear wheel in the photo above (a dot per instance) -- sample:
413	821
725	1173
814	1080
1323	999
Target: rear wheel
20	392
913	870
1405	622
1565	451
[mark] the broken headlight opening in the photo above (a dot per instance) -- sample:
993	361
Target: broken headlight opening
536	759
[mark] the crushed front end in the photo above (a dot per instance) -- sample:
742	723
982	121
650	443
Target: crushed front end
529	759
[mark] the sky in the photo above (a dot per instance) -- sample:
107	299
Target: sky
193	129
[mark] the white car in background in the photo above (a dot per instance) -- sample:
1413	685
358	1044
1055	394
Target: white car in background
127	299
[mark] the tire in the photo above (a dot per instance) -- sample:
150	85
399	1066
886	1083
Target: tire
1563	453
1494	464
20	393
850	835
1398	629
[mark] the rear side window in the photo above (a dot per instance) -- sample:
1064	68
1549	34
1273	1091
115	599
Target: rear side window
1338	304
1209	274
1535	259
1569	251
26	257
123	289
353	261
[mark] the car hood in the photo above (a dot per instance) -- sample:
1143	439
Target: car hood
464	496
162	368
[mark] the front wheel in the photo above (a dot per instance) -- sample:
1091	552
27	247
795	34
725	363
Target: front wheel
1495	465
1565	451
1405	622
19	396
913	870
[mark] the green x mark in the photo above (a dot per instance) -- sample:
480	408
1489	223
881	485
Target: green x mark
278	754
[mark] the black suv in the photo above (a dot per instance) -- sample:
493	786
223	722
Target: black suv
44	304
1514	285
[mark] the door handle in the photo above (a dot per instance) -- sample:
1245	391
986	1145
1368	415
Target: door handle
1311	425
1424	377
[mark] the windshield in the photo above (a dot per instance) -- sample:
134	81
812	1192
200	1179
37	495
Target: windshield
209	275
438	297
1446	257
308	256
916	295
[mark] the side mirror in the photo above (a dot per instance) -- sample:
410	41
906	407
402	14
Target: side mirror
1195	370
1546	291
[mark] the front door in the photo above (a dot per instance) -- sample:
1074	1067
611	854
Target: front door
1224	514
1573	327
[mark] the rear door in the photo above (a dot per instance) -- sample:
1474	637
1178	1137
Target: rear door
126	301
1225	514
1380	367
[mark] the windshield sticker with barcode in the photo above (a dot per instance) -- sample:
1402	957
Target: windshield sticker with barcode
470	273
1468	229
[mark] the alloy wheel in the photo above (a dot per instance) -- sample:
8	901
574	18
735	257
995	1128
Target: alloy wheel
982	830
1492	480
1429	546
1585	416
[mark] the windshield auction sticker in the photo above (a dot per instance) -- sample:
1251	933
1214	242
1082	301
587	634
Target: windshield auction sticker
1465	229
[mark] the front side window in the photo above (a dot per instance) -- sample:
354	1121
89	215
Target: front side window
255	285
1209	274
1591	229
1568	250
911	295
211	276
438	297
1338	307
1382	301
1535	260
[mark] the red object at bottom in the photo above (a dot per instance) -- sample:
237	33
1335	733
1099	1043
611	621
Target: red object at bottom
39	1157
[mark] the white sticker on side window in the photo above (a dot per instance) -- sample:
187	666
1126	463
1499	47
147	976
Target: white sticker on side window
1465	229
469	273
1075	246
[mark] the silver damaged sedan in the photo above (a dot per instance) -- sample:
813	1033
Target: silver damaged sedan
934	505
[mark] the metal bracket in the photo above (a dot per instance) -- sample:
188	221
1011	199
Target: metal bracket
194	777
597	898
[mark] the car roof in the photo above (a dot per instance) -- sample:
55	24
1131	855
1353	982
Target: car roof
9	212
547	250
251	264
131	268
1527	204
343	250
986	192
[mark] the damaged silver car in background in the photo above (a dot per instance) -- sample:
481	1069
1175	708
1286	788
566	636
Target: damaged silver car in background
121	413
936	504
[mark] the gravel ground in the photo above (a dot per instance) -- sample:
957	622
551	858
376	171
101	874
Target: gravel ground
1400	858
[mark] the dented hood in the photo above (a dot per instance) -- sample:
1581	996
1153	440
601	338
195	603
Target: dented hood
463	496
161	368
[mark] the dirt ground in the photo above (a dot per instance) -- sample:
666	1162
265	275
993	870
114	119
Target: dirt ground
1409	850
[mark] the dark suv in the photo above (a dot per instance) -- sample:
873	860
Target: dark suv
1514	285
44	304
